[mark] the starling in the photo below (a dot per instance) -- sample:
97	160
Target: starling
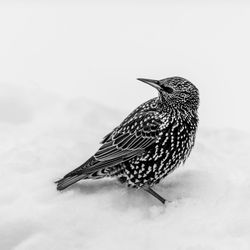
150	143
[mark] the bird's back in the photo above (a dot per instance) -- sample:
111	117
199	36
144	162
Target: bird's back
172	146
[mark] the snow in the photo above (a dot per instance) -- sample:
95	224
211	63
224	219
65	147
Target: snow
44	135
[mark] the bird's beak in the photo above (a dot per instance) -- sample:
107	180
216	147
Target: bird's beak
153	83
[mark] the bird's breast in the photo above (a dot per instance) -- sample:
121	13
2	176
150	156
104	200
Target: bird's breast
175	141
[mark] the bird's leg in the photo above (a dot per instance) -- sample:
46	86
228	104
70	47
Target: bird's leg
157	196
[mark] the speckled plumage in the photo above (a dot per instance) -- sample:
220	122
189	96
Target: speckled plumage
150	143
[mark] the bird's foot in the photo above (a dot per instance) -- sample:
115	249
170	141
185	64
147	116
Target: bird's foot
156	195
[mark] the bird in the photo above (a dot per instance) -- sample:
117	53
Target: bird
150	143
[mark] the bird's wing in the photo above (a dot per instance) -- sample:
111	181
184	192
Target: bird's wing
107	137
129	139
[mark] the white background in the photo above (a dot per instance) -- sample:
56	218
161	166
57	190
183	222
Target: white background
97	49
68	74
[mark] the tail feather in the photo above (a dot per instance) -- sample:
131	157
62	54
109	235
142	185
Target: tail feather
68	181
79	174
91	169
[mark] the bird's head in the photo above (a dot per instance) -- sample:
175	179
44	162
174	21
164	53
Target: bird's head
176	91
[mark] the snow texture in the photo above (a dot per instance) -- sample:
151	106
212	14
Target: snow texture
43	136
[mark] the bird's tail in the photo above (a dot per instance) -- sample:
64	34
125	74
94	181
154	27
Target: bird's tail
91	169
70	178
68	181
81	173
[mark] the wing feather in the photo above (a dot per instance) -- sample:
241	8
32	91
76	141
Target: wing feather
128	140
133	135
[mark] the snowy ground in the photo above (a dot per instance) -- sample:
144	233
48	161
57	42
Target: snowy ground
43	136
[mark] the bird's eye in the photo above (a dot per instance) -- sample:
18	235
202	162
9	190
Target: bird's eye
167	89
